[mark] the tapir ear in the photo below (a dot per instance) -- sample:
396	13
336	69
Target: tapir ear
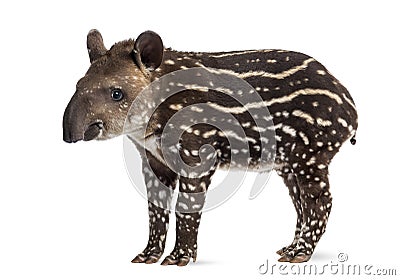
148	50
95	45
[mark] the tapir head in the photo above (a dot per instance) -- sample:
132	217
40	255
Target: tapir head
99	107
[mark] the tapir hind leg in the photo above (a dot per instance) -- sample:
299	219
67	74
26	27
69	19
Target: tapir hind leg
316	202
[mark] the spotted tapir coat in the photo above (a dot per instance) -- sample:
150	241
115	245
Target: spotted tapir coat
312	115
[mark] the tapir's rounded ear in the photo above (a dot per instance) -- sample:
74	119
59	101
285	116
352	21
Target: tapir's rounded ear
148	50
95	45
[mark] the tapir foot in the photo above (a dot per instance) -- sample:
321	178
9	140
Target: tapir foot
180	257
292	255
147	257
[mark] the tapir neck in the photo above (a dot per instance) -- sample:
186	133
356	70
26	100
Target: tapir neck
175	60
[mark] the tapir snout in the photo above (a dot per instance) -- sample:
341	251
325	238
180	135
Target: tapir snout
76	127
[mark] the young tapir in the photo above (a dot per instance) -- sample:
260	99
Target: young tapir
312	113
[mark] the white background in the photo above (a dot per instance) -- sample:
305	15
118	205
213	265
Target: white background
70	211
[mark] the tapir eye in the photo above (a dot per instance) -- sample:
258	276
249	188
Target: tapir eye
117	94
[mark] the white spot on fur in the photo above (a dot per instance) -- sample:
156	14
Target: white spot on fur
289	130
311	161
303	115
169	62
209	133
176	107
322	122
342	122
304	138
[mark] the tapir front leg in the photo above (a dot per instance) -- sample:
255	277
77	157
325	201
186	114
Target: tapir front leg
160	184
191	198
